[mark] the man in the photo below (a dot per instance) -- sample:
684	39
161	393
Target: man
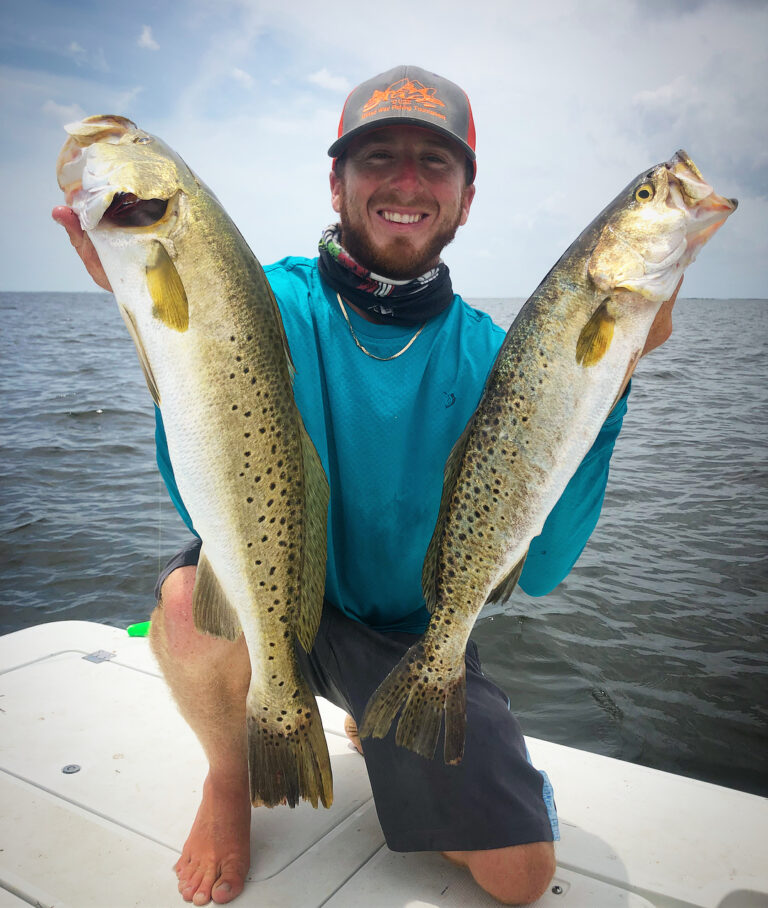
390	366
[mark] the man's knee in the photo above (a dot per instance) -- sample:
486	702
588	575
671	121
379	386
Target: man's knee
517	875
172	621
176	592
175	638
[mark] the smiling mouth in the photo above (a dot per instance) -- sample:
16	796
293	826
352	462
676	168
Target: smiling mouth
396	217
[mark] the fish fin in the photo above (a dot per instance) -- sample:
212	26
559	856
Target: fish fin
451	472
503	589
260	281
133	330
166	289
211	611
315	544
424	688
455	718
289	764
284	338
595	337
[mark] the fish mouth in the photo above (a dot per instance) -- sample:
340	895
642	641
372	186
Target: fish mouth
93	189
704	210
690	193
89	194
689	212
128	210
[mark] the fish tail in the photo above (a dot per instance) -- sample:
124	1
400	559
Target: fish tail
455	718
288	761
424	686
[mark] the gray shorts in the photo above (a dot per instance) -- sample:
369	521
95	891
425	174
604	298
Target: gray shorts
492	799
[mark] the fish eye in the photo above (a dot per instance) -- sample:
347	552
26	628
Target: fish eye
142	140
644	193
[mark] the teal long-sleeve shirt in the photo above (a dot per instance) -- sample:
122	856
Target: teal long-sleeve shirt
384	430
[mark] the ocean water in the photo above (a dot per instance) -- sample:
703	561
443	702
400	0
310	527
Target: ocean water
653	650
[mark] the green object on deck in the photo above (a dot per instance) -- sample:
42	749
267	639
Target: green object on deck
139	630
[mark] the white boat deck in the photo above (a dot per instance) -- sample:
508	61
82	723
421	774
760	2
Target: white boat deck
100	780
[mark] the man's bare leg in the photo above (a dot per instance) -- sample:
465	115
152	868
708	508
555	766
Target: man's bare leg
517	875
209	679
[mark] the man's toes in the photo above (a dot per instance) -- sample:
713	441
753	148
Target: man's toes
203	892
230	882
188	886
224	892
350	727
188	883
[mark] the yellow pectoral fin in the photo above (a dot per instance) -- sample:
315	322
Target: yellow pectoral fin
166	289
595	337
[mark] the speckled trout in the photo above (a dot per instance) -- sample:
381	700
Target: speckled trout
560	369
215	357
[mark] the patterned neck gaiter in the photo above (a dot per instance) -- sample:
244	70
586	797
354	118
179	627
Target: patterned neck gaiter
392	302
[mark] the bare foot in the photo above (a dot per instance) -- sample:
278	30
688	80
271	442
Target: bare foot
217	854
350	727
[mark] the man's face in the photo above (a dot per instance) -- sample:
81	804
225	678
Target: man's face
401	198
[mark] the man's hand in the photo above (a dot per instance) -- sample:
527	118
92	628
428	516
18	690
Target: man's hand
82	243
662	324
661	329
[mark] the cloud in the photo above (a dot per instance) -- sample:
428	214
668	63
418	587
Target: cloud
571	98
84	58
63	113
127	98
325	79
244	78
77	53
146	39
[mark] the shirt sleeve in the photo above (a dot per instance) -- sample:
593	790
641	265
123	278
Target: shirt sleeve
166	470
570	524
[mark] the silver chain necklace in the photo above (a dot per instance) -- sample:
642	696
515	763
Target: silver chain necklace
381	359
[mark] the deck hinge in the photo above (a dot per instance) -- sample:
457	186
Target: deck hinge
101	655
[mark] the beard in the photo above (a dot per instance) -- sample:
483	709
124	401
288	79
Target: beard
398	260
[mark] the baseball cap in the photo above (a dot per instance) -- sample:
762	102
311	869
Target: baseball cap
408	96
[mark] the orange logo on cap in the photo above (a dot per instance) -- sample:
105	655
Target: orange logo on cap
404	96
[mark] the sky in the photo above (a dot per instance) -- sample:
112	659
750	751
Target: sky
571	98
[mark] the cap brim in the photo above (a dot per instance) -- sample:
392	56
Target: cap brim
341	144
